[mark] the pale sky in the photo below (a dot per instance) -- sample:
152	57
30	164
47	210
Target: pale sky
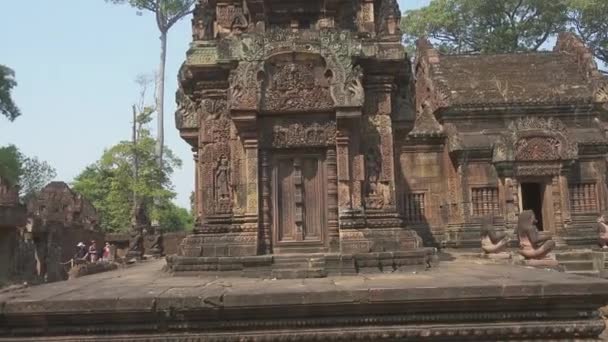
76	62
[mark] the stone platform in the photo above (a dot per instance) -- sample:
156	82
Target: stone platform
310	265
458	301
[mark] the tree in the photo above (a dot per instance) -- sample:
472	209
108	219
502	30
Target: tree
589	19
173	218
110	183
10	164
35	176
7	83
30	173
167	13
466	26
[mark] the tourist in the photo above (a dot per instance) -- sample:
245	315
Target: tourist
81	251
106	252
93	252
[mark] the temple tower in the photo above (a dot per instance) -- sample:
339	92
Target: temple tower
288	107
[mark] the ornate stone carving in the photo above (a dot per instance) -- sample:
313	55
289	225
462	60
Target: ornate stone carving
299	133
374	198
388	19
202	21
213	108
186	115
244	91
232	18
537	149
223	191
337	50
293	86
353	93
535	139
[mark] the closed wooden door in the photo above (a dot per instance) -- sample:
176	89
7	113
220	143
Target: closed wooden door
298	198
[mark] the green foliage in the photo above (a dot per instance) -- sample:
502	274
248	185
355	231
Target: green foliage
487	26
35	176
589	20
173	218
10	163
7	83
167	12
110	184
30	173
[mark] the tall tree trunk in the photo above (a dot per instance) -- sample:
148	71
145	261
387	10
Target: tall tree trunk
135	159
160	99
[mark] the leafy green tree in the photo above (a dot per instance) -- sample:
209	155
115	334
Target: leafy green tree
10	163
36	174
110	183
30	173
465	26
589	19
167	13
7	83
173	218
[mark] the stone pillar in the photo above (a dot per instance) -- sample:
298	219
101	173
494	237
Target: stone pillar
251	156
343	169
265	240
378	138
332	192
198	210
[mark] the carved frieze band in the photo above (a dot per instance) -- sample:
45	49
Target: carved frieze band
288	133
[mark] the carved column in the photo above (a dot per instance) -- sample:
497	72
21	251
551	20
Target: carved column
265	245
332	194
251	157
379	137
197	191
343	169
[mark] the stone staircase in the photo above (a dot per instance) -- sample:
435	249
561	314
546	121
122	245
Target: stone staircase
289	266
578	262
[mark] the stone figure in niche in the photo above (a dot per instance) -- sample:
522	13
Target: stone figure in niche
492	242
202	23
375	198
222	184
532	244
602	231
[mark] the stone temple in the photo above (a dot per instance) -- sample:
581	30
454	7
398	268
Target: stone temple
314	134
326	154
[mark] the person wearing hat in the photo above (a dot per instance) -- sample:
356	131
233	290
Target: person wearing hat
81	251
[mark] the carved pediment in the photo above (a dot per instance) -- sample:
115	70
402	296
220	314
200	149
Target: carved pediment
535	140
296	85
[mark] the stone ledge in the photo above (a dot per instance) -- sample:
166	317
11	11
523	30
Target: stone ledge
457	301
304	265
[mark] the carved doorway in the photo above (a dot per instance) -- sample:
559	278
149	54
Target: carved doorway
532	199
299	201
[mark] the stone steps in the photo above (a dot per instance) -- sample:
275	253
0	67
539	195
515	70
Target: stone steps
575	266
